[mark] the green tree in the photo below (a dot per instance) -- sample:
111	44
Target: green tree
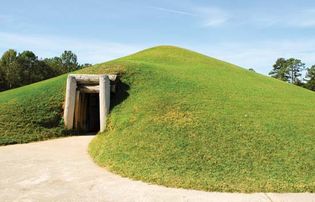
2	80
84	65
29	62
18	69
280	70
8	57
310	78
11	69
45	71
295	68
69	61
56	64
289	70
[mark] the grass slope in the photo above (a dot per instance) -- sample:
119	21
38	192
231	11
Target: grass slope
189	121
32	112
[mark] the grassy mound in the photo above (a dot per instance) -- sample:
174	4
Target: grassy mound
33	112
187	121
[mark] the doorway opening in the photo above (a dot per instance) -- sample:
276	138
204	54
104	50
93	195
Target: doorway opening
87	112
93	112
87	101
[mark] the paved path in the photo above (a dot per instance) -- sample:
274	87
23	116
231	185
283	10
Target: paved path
61	170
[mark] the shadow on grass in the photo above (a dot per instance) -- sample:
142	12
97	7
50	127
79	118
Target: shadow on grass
120	95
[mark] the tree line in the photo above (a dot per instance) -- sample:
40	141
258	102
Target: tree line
19	69
294	71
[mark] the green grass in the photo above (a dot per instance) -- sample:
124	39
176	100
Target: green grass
190	121
32	112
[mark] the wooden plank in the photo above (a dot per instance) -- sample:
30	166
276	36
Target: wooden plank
77	111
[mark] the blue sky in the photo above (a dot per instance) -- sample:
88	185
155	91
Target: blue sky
248	33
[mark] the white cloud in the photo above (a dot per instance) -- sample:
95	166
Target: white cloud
208	16
303	18
215	16
88	51
261	55
212	17
173	11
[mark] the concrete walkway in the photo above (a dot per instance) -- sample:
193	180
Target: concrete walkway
61	170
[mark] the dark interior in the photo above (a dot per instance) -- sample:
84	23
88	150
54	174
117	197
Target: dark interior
87	109
93	112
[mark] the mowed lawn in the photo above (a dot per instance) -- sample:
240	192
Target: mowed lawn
192	121
188	121
32	112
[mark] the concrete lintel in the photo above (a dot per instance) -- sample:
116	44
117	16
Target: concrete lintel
91	78
89	89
